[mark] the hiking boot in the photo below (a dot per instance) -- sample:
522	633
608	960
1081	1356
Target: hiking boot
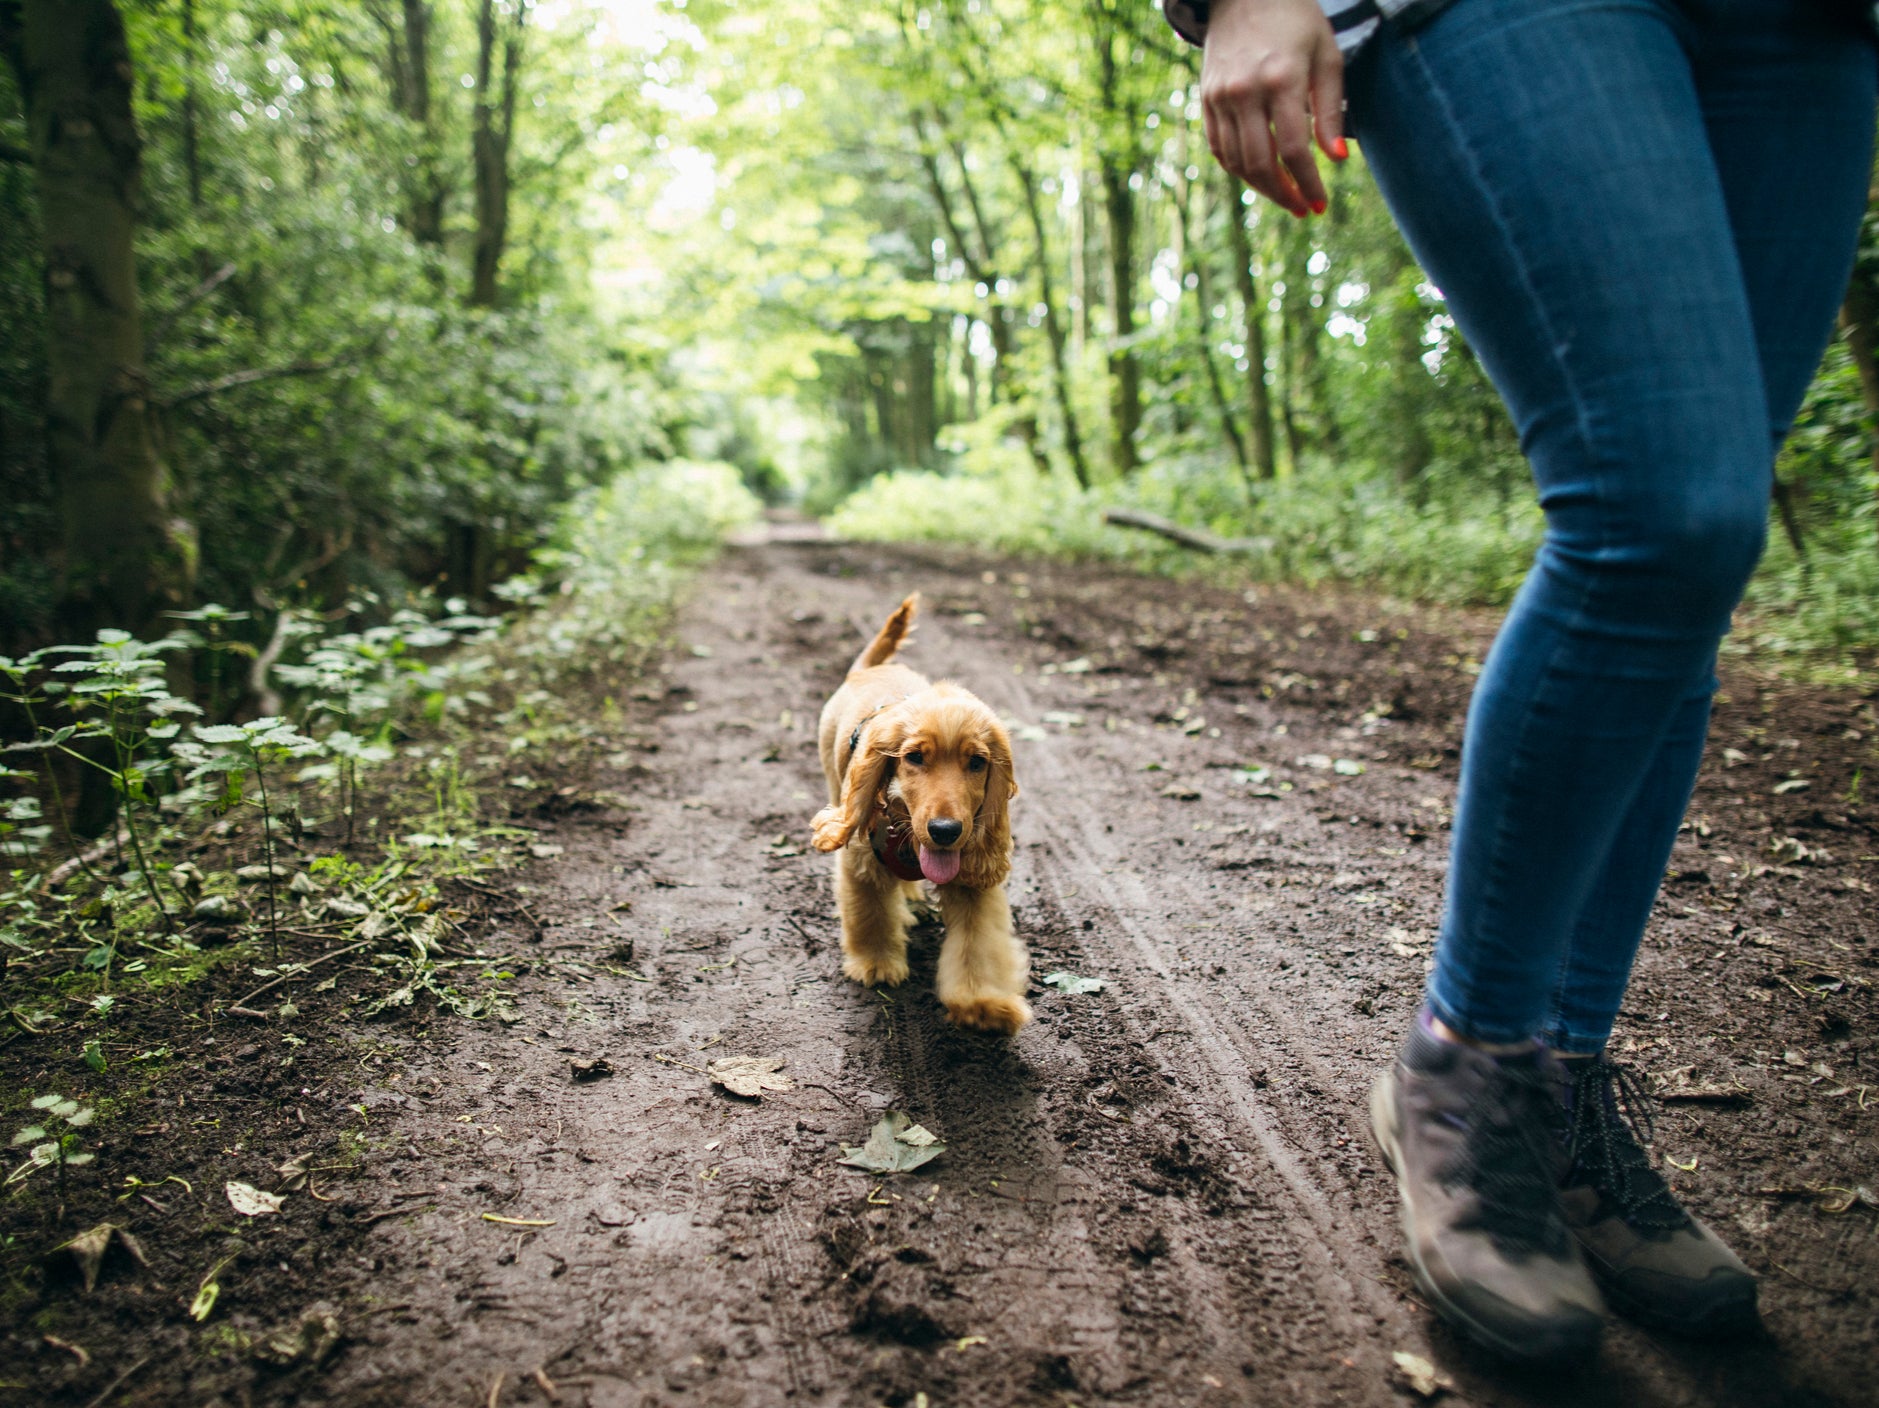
1655	1262
1475	1143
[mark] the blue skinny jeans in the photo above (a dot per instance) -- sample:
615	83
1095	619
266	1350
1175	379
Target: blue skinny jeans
1642	215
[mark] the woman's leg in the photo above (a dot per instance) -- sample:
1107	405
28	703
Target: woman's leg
1771	77
1550	162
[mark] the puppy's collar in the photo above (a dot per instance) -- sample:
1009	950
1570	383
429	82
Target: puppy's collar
891	839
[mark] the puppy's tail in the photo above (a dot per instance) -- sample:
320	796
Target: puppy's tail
887	642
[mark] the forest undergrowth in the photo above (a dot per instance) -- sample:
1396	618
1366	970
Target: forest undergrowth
332	827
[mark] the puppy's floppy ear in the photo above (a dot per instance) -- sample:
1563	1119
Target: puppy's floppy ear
987	859
868	771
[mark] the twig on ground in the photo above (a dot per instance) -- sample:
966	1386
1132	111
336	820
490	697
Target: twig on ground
118	1382
299	971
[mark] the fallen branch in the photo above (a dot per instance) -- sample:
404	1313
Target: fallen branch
1198	539
269	699
69	867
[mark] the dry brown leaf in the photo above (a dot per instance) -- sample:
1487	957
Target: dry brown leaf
88	1250
749	1075
250	1201
1419	1375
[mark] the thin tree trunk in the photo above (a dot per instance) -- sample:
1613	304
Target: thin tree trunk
1258	397
981	263
1053	325
412	72
494	126
1204	300
1079	273
1125	377
192	153
124	559
1406	382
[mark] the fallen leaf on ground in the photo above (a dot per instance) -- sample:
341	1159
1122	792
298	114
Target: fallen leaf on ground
1181	793
294	1173
1419	1375
597	1069
545	850
1075	986
895	1145
749	1075
1677	1163
250	1201
88	1250
1347	767
204	1304
308	1342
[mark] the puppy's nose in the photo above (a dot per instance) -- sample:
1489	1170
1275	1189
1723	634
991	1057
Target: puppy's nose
944	832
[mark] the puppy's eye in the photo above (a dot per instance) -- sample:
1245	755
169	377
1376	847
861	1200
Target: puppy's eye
917	758
975	763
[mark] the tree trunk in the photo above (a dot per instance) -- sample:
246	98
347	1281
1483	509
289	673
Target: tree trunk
192	152
411	82
1125	377
1196	251
495	125
1407	384
124	560
1053	326
1859	318
1258	397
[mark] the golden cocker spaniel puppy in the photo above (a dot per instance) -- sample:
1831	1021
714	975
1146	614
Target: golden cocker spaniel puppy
920	779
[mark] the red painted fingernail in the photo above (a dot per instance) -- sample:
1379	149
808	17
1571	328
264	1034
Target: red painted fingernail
1317	207
1340	149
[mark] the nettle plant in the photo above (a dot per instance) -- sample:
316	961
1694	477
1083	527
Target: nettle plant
234	752
109	707
53	1147
124	716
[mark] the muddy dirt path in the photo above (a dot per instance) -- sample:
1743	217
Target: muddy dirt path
1162	1193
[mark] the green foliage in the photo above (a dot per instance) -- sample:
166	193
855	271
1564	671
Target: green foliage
53	1147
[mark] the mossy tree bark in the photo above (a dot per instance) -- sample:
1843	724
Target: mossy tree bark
489	147
124	560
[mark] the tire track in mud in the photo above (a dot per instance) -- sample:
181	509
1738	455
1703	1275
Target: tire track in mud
1159	1194
1070	857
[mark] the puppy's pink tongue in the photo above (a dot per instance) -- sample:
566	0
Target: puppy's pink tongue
939	867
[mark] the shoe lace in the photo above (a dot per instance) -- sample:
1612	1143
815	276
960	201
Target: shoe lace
1611	1125
1510	1160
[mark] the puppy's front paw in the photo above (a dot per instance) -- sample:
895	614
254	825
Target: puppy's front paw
829	831
1003	1015
884	970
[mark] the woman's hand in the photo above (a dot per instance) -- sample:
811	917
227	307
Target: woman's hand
1269	68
